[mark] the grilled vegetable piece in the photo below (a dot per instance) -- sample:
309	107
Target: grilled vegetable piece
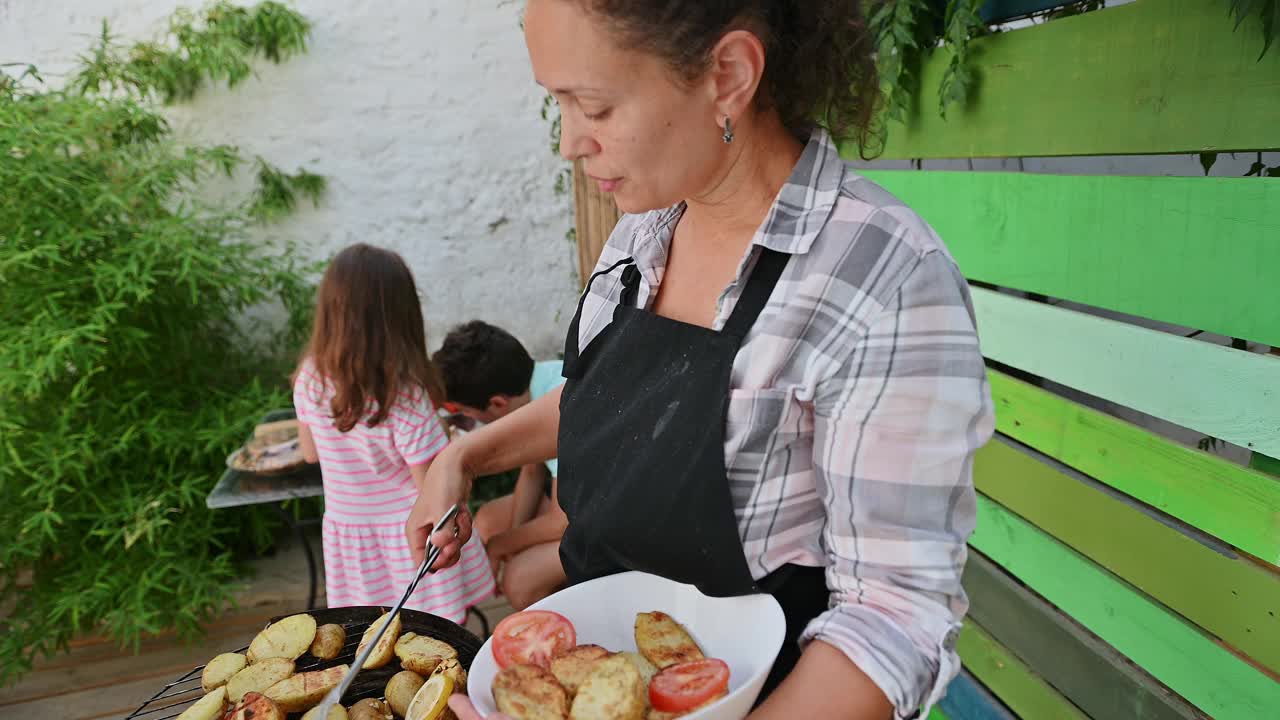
663	641
329	641
400	690
289	639
220	669
385	649
305	690
572	667
423	654
208	707
529	692
258	677
255	706
613	691
370	709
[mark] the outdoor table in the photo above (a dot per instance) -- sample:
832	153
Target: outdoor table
239	489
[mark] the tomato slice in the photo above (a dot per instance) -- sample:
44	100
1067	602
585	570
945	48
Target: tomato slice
532	637
688	685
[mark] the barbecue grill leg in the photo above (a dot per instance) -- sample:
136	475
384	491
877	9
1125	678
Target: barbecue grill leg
306	548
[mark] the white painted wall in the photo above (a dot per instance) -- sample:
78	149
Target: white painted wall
423	115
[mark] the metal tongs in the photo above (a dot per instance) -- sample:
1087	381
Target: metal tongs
335	695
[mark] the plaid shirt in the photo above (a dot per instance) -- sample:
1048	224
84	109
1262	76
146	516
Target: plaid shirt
858	400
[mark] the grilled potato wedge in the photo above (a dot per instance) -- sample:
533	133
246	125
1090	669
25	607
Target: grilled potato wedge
613	691
400	690
528	692
663	641
254	706
646	668
385	650
304	690
258	677
220	669
423	654
329	641
370	709
208	707
573	666
337	712
287	639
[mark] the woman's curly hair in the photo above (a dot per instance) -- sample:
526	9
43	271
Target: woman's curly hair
820	56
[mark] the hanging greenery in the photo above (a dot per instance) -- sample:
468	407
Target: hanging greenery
1267	11
907	31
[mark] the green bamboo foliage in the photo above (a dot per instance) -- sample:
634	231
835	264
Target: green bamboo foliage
127	368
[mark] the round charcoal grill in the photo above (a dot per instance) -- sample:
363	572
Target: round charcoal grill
178	695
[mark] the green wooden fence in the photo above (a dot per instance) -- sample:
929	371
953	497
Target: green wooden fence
1116	574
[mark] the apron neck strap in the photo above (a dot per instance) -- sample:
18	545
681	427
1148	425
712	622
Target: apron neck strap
760	284
571	341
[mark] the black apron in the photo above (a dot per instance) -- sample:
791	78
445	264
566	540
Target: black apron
641	454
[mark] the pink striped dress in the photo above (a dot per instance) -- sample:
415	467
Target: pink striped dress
368	492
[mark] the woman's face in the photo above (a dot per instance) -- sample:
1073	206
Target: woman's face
643	135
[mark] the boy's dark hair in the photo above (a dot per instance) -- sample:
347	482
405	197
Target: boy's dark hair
478	361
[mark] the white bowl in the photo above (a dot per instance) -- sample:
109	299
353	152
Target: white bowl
746	632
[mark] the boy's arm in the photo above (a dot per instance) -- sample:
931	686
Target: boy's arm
527	496
547	527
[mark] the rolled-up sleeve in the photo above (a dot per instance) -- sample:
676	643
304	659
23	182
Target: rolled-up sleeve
896	429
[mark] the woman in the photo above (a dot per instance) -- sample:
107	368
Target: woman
774	380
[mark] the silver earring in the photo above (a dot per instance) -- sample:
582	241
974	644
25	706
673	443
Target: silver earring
728	130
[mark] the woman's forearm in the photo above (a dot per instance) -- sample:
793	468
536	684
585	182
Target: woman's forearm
526	436
807	691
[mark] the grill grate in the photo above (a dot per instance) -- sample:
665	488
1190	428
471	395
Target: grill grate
170	700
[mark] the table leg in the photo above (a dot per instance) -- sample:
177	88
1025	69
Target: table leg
306	548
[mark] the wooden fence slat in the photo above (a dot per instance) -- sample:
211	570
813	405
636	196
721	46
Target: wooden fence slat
1266	464
1008	678
1228	394
1235	504
1155	76
1089	672
595	214
1173	650
966	699
1199	252
1230	597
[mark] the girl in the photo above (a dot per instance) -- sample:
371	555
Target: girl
366	395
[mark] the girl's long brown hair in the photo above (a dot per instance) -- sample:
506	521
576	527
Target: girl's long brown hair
369	340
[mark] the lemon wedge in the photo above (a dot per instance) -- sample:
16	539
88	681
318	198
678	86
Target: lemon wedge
431	700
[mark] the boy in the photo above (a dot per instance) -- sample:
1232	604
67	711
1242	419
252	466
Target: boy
487	375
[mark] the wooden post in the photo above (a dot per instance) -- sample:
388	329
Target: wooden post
595	216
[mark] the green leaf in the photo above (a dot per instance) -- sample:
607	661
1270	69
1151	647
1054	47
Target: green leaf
1265	11
126	374
1207	159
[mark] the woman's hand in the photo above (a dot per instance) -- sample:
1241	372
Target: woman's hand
527	435
461	706
447	482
